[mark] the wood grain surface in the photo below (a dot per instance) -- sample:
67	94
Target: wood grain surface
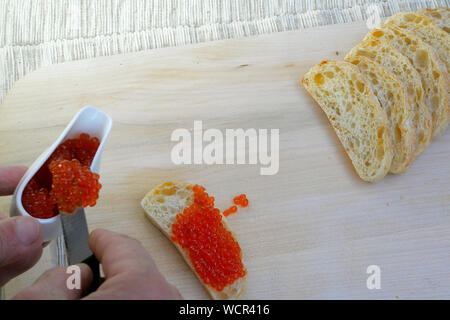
311	230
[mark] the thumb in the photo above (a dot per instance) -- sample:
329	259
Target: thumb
63	283
20	246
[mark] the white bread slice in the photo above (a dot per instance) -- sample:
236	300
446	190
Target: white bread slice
355	114
390	58
426	30
424	60
440	16
392	96
162	204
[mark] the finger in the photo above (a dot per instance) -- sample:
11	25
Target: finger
20	246
119	253
63	283
129	287
9	178
129	269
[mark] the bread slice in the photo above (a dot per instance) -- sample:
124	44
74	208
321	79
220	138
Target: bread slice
440	16
390	58
355	114
162	204
426	30
425	62
392	97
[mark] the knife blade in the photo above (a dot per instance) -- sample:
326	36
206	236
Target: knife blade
76	234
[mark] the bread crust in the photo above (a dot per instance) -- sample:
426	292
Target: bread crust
440	16
392	97
355	114
382	52
425	61
426	30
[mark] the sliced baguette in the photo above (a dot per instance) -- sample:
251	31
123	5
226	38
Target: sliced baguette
390	58
424	60
392	97
355	114
162	204
440	16
426	30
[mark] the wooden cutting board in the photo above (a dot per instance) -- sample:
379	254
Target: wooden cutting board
311	230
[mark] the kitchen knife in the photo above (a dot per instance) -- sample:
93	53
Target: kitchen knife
76	236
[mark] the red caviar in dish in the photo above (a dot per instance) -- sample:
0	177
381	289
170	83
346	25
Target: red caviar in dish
37	201
65	181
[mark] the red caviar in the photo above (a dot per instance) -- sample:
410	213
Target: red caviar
73	185
37	201
230	210
65	181
82	148
241	200
214	253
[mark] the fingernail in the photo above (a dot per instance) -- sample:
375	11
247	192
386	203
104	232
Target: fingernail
27	230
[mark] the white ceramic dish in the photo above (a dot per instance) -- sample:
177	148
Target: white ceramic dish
88	120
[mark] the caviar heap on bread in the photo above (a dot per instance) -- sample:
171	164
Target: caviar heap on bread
187	215
65	182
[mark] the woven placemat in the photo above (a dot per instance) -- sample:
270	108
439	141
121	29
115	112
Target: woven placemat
38	33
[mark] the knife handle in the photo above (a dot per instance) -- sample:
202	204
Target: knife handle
93	263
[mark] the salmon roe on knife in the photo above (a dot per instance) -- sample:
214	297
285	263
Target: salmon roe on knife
73	185
215	255
65	182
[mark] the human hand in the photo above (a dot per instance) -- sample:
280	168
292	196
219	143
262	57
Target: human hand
20	237
130	273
